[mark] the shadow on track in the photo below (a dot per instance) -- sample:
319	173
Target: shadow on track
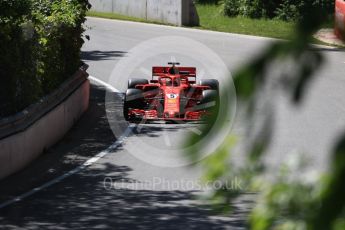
83	202
98	55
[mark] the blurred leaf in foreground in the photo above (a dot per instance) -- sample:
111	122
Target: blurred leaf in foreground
283	202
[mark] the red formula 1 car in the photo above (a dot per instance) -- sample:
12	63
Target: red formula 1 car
172	94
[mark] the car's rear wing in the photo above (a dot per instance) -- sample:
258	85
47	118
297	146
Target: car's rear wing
189	72
161	70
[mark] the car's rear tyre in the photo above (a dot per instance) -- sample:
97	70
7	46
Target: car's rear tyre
134	99
132	82
212	83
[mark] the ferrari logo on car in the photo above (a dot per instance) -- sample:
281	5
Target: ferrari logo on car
172	96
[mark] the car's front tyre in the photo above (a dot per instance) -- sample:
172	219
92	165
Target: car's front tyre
134	99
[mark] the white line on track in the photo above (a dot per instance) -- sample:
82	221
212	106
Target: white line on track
104	83
87	163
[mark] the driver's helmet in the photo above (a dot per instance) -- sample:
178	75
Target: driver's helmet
177	82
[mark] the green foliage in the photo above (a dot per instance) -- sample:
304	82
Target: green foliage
332	202
285	201
293	10
231	8
250	8
290	10
14	10
59	26
20	85
40	43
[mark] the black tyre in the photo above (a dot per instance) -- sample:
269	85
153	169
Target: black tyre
132	82
212	83
210	99
134	99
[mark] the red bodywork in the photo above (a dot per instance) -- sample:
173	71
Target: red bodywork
172	94
340	19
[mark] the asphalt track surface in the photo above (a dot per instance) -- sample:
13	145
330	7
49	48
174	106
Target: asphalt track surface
151	194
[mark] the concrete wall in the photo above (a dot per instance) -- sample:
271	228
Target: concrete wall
20	149
166	11
102	5
132	8
176	12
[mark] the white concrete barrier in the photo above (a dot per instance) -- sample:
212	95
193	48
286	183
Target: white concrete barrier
132	8
102	5
20	149
166	11
176	12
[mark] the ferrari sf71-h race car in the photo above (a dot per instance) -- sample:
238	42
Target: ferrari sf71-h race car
172	94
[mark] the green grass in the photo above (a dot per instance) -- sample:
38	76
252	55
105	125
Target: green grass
212	18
